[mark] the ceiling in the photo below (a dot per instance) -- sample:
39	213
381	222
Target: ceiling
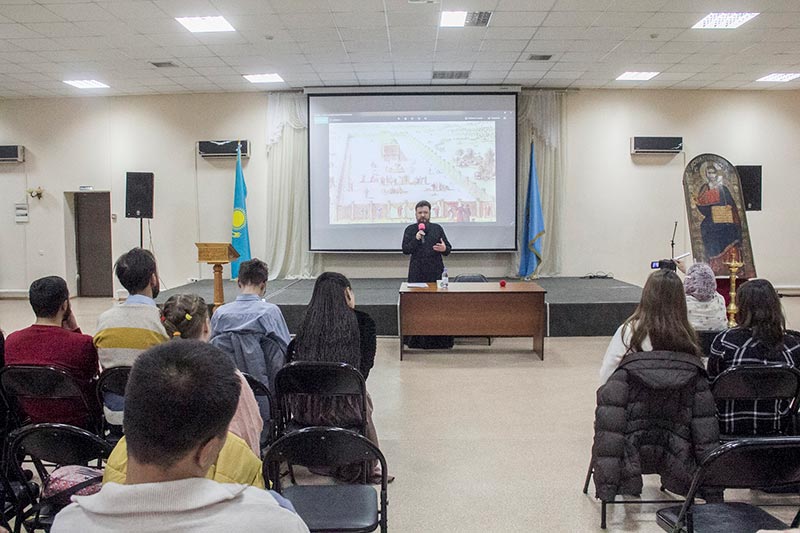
388	42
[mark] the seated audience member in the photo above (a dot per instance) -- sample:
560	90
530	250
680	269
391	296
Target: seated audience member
249	312
180	399
252	331
2	349
704	305
126	330
659	323
56	340
186	317
330	332
759	339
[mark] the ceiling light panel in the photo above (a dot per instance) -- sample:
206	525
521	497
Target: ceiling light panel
724	21
453	19
263	78
637	76
205	24
780	77
86	84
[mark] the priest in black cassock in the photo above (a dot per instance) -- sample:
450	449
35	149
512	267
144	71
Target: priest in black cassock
426	248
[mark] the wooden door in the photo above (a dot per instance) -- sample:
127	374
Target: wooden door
93	243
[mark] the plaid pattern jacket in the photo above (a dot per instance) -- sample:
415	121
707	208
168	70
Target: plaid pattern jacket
735	347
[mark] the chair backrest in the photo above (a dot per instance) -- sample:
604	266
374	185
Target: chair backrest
315	378
706	339
321	447
258	388
60	444
760	382
758	462
19	383
470	278
112	380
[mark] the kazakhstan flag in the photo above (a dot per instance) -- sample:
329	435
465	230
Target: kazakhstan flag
240	238
531	258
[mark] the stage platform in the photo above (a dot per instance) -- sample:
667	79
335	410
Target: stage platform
575	306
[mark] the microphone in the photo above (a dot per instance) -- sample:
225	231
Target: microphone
421	227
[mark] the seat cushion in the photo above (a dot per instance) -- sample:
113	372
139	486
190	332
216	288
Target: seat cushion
335	507
722	518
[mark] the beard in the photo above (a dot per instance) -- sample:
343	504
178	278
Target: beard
156	289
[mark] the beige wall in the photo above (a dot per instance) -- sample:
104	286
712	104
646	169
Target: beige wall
618	211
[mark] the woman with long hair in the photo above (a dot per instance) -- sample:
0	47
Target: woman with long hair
186	316
660	322
334	331
760	338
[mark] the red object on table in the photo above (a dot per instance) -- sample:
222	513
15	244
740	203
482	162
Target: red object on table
502	283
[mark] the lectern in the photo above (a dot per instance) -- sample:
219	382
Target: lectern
217	254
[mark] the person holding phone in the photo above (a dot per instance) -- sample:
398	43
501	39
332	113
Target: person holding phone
55	340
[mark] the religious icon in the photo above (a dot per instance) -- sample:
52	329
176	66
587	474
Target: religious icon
717	220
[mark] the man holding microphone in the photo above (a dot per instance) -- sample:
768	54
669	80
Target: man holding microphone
426	243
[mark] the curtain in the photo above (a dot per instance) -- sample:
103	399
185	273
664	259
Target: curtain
287	188
541	121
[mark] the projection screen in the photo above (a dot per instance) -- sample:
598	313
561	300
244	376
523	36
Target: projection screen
372	157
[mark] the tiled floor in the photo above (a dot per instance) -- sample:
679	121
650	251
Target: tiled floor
482	439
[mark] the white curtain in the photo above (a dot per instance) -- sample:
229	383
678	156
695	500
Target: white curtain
287	188
541	120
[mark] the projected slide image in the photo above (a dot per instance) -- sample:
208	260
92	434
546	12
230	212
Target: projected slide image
380	170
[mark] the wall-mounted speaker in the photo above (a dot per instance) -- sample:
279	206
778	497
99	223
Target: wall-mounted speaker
656	145
139	195
750	176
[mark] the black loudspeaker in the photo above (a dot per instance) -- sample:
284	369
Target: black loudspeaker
750	176
139	195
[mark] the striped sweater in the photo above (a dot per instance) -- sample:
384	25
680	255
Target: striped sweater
125	331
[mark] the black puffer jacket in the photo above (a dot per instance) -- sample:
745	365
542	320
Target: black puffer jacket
655	415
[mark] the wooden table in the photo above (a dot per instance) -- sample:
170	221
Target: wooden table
474	309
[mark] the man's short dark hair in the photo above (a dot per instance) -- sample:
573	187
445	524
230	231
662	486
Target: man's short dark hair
46	296
253	272
422	203
180	395
134	269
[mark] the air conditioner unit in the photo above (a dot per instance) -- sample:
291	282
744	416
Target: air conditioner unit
222	148
656	145
12	154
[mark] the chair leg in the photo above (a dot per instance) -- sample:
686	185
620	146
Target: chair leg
588	477
602	515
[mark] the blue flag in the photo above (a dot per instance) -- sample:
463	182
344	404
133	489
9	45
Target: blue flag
531	257
240	237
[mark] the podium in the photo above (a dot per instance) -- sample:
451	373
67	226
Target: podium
217	254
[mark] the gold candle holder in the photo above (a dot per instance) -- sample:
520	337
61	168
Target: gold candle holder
733	266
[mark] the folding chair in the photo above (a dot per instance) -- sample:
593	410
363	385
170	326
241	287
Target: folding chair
350	508
762	383
60	445
303	379
261	392
112	381
30	383
747	463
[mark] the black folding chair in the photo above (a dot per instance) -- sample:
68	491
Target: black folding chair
301	379
59	445
261	391
763	383
763	462
350	508
113	381
30	383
